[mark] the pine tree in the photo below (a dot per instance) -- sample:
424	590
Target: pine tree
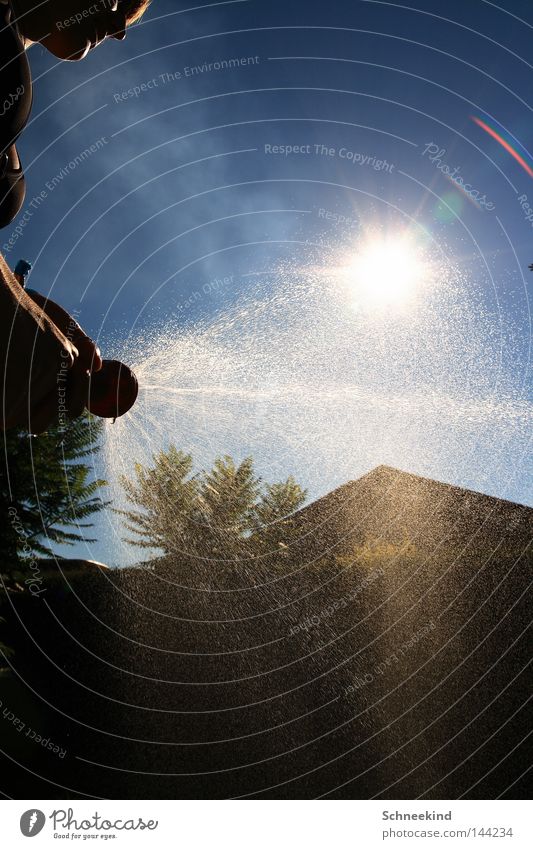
222	514
273	520
167	494
226	507
47	495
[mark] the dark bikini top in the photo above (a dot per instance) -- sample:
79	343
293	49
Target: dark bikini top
15	108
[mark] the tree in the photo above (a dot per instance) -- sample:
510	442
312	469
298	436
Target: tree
222	514
273	523
167	494
47	495
225	512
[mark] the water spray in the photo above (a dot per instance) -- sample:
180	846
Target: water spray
114	388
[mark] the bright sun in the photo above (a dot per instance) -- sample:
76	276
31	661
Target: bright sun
386	271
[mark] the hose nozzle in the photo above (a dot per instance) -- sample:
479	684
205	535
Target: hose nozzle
113	390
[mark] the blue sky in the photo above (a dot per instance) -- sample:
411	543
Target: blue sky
214	260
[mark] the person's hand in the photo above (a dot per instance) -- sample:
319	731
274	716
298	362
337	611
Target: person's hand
87	360
44	365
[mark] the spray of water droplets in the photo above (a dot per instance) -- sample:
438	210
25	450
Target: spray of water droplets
312	384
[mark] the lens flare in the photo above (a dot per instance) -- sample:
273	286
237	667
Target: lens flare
505	144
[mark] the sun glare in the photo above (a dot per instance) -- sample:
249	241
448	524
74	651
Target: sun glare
386	271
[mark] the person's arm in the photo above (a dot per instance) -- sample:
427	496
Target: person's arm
39	345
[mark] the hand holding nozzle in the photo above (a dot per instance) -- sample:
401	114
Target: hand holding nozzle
107	388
